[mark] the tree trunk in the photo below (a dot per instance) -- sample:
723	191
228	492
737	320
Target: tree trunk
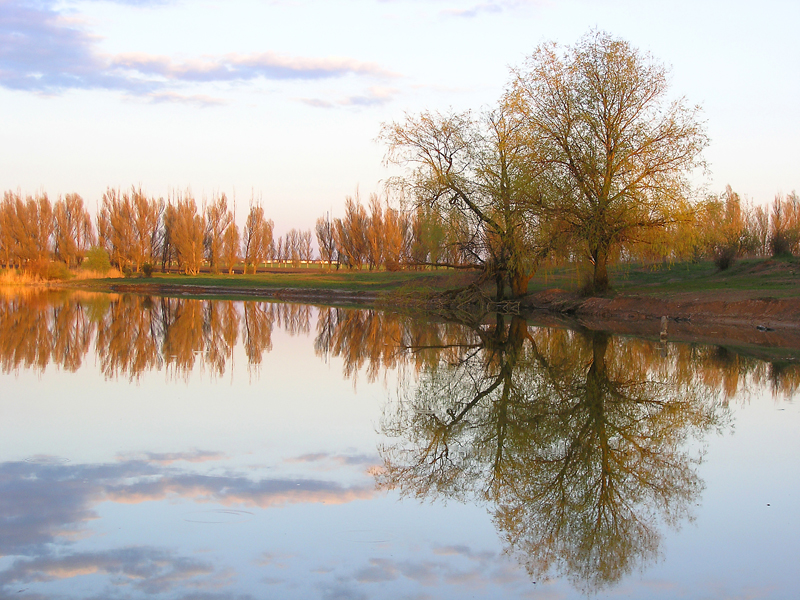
519	282
600	277
500	281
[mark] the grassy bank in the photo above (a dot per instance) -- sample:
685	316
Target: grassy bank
342	281
746	279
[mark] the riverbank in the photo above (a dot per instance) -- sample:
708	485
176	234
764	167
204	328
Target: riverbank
755	302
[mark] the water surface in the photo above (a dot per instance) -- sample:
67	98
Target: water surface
178	448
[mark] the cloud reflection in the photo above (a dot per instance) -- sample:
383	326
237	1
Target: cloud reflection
43	504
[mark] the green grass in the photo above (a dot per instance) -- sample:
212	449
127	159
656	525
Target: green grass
754	277
776	277
310	279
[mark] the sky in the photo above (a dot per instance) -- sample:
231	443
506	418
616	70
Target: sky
283	100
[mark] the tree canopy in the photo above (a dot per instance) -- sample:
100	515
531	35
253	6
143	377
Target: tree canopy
583	151
614	153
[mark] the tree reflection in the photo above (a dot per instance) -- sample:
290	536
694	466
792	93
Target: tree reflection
578	447
132	335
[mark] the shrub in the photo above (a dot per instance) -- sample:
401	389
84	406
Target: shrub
147	269
724	257
49	270
97	260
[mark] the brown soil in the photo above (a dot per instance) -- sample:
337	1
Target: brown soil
711	317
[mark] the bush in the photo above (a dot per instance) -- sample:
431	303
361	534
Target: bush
724	257
97	260
780	244
49	270
147	269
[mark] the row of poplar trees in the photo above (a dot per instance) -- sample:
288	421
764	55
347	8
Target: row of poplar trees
138	230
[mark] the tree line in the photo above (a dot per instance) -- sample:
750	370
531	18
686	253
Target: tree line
137	230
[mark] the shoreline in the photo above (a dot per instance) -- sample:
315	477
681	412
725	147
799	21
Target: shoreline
705	317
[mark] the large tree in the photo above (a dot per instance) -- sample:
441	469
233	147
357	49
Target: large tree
615	152
478	167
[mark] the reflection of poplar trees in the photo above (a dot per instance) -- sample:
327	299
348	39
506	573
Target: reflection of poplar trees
580	450
295	319
134	334
126	344
378	340
220	332
184	337
257	331
72	335
25	337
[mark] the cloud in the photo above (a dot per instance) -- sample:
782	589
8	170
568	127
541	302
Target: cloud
480	570
476	9
150	570
472	9
42	50
167	458
374	96
244	67
196	99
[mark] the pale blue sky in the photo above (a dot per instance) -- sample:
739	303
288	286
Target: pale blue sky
287	97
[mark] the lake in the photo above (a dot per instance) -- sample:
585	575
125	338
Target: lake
199	449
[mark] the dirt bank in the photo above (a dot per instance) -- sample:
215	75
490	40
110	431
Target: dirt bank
708	317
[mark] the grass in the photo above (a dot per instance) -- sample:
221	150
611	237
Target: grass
753	278
307	279
774	277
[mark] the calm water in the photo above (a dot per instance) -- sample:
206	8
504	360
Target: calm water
176	448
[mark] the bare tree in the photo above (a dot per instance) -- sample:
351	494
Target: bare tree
306	246
73	233
230	246
351	233
257	242
115	227
218	219
187	234
146	222
375	233
325	240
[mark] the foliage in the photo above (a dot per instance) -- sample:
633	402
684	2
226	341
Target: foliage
49	270
477	167
614	153
97	260
257	242
784	235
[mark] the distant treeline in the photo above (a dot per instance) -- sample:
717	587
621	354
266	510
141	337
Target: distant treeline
140	232
724	228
